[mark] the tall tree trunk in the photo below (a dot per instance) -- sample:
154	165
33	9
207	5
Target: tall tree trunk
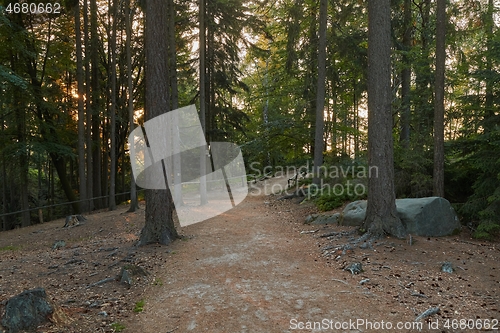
4	179
203	103
22	159
112	177
423	79
406	77
4	193
129	18
312	77
210	116
175	99
159	227
320	91
381	215
88	107
81	111
96	118
490	81
438	174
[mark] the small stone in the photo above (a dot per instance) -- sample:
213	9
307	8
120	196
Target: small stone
58	244
447	267
310	218
125	278
364	281
354	268
366	245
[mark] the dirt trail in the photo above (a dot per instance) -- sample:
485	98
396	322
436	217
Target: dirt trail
249	270
256	268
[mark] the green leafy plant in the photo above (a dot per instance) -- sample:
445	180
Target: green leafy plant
139	306
117	327
329	200
487	230
10	248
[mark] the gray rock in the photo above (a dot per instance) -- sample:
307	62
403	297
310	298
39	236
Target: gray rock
364	281
354	213
326	219
354	268
447	267
26	311
310	218
129	272
125	277
58	244
432	216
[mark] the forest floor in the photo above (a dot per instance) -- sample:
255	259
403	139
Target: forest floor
256	268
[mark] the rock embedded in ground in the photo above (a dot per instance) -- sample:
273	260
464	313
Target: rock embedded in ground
354	213
26	311
354	268
311	218
432	216
58	244
129	272
321	219
447	267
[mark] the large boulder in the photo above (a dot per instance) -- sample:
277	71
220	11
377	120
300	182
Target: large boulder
26	311
354	213
432	216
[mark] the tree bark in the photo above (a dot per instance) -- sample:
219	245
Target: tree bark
96	117
312	77
438	174
406	77
320	92
175	99
423	79
490	81
112	180
159	227
381	216
129	17
81	111
88	107
203	103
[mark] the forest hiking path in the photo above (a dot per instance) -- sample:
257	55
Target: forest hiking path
256	268
251	270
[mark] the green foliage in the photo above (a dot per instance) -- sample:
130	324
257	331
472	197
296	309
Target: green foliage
483	206
305	181
413	172
487	230
158	282
139	306
10	248
117	327
7	77
329	200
